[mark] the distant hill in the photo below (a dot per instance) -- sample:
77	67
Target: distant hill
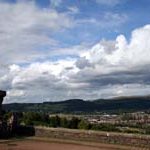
116	105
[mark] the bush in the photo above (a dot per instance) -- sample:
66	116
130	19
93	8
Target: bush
55	121
73	123
30	118
104	127
147	130
83	125
64	122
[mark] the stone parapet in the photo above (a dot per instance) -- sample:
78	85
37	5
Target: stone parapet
94	136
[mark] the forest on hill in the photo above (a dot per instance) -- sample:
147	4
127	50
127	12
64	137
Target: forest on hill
116	105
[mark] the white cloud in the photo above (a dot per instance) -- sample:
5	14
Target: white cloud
73	9
15	93
55	3
106	20
124	54
38	80
109	68
25	28
29	33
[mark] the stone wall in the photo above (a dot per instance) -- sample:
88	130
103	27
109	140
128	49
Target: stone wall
94	136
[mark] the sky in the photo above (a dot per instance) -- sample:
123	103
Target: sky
53	50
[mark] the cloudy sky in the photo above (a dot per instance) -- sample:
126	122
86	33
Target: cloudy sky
54	50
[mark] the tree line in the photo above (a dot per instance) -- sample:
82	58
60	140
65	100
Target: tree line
43	119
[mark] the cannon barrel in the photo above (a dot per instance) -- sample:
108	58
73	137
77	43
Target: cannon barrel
2	95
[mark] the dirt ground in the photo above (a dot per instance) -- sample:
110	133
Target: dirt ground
43	145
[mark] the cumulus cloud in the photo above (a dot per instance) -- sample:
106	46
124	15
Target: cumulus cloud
108	69
125	54
82	63
25	28
26	31
125	63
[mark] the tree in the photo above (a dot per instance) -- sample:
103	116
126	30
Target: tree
29	118
83	125
147	130
73	124
64	122
55	121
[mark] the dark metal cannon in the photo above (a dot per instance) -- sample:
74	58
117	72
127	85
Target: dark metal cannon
2	95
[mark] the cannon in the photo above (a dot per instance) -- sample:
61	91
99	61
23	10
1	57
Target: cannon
2	95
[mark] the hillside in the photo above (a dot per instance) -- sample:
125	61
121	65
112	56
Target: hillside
123	104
